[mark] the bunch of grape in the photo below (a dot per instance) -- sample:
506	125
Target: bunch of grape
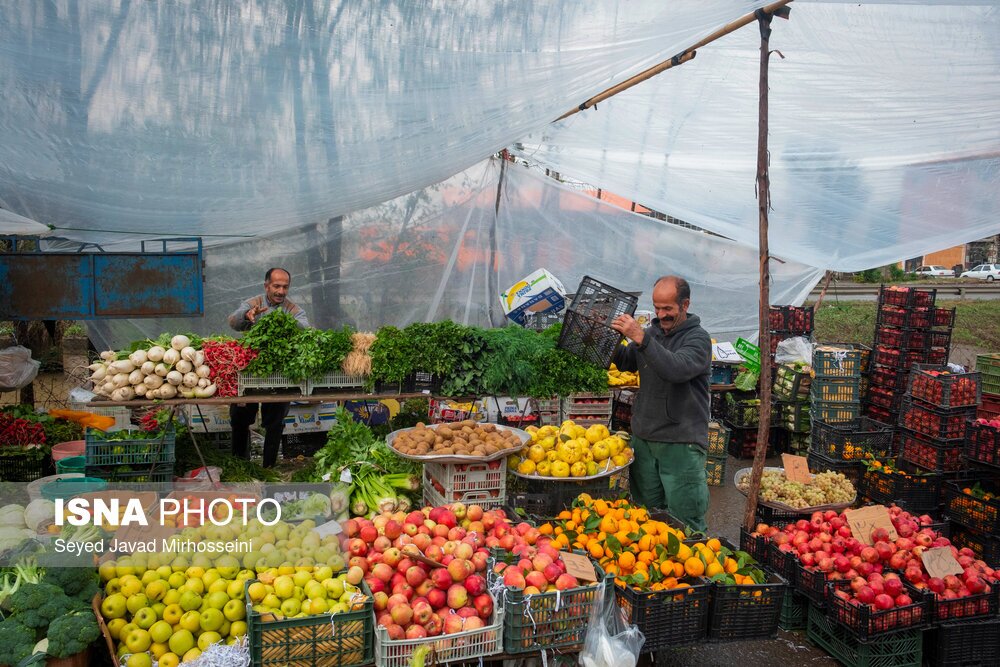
826	488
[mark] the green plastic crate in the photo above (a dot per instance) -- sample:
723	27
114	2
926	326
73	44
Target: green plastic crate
715	470
794	611
899	649
718	438
834	412
343	639
135	451
988	366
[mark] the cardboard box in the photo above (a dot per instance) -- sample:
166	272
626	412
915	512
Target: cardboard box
314	418
209	418
538	293
507	407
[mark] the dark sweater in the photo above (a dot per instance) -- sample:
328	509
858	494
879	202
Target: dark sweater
675	369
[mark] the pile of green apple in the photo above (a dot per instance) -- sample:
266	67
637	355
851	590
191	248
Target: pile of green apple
170	607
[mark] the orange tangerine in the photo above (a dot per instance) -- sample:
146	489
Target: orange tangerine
694	567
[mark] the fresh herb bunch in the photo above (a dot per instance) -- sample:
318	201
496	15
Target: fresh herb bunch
390	353
273	336
465	377
434	345
565	373
318	352
513	359
56	430
347	441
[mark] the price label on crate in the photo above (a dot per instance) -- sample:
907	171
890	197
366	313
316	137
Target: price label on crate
796	468
578	566
939	562
865	520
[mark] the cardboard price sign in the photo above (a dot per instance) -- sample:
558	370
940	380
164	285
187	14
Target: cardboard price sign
939	562
863	521
579	566
796	468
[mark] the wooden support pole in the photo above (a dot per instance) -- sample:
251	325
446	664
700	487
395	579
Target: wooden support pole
763	205
681	58
826	284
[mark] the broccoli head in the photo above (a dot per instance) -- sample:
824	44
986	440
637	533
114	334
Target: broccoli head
17	641
37	605
72	633
75	582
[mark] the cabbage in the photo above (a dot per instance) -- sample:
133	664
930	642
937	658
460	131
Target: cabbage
38	512
13	516
318	504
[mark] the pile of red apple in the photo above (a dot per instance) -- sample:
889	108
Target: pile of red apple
824	544
427	569
984	441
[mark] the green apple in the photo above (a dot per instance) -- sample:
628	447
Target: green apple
190	600
114	606
139	660
145	618
137	602
177	579
181	642
192	655
271	601
237	628
235	590
291	607
207	639
138	640
217	600
160	632
334	587
211	619
191	620
234	610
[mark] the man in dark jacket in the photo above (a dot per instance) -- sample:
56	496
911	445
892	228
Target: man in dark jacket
673	356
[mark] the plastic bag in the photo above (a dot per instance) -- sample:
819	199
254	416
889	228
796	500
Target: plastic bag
794	350
17	368
611	641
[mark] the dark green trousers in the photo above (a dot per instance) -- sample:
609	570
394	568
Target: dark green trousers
670	476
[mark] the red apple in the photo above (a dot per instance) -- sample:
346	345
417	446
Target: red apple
483	605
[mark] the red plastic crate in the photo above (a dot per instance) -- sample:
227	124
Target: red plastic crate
990	407
934	422
906	296
937	386
982	443
930	454
894	358
912	339
907	318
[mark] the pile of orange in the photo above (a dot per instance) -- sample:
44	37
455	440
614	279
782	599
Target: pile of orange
644	553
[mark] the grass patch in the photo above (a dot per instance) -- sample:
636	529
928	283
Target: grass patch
854	321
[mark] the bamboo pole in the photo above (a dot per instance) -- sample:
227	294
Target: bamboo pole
826	284
681	58
763	205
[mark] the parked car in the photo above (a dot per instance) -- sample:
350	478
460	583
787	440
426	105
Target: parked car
983	272
938	271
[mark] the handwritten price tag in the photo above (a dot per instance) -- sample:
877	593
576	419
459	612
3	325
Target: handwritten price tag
863	521
939	562
796	468
579	566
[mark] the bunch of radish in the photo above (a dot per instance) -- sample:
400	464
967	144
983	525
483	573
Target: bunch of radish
155	373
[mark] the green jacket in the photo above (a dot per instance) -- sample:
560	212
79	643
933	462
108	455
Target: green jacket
675	369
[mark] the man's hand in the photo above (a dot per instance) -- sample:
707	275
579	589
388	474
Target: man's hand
254	312
627	326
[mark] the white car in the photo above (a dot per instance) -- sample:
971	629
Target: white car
983	272
939	271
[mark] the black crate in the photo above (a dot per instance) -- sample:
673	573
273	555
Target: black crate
982	516
294	445
919	317
743	442
919	491
943	391
599	301
422	382
982	444
755	545
931	454
934	422
943	317
865	622
25	467
896	379
900	649
891	357
912	339
880	414
668	619
543	500
970	607
852	440
968	644
791	383
849	469
776	517
986	547
589	339
791	319
750	611
896	295
811	582
785	563
885	398
741	412
791	416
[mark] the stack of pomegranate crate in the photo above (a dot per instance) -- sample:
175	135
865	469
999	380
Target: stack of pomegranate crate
910	330
934	415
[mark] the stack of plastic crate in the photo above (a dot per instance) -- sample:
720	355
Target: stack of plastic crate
910	330
835	390
588	409
934	416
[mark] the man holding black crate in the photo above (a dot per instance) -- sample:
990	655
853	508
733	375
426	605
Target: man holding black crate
673	356
272	415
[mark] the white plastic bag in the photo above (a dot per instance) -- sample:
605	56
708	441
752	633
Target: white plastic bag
611	641
17	368
794	350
